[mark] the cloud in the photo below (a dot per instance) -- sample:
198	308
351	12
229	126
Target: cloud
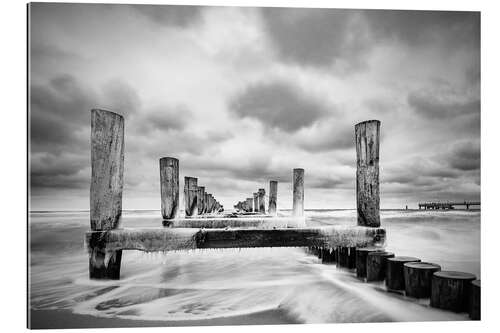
316	37
441	101
465	156
170	15
162	118
278	105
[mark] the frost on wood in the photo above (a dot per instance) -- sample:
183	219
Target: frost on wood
168	239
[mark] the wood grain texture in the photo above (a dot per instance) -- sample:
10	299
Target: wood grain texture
298	192
376	265
201	199
395	279
450	290
475	300
190	196
256	202
168	239
367	136
273	197
418	277
169	187
361	255
107	158
262	200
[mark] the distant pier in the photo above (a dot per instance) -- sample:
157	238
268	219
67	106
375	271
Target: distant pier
448	205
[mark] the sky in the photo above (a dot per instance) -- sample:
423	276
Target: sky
243	95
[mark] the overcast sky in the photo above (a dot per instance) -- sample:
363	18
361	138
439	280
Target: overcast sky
242	96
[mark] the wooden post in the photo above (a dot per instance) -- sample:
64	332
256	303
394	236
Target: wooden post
106	187
249	203
343	257
273	197
376	265
475	300
450	290
262	201
418	276
205	203
298	192
256	202
201	199
395	279
190	196
169	187
367	175
361	254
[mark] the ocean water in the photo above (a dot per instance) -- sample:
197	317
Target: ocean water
210	284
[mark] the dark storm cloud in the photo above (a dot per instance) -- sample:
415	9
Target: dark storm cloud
465	156
331	137
59	114
171	16
316	37
442	103
415	28
163	119
278	105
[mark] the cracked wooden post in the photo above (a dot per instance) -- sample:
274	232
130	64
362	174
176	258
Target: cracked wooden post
298	192
106	187
367	135
262	200
169	187
190	196
201	198
273	197
255	202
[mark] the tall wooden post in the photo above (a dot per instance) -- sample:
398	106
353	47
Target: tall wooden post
273	197
106	187
298	192
255	202
248	204
262	200
169	187
191	196
201	198
367	175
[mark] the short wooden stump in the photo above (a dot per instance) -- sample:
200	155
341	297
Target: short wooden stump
361	254
395	276
343	257
450	290
475	300
327	255
376	263
418	277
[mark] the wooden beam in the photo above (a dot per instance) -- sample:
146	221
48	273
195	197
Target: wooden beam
234	222
171	239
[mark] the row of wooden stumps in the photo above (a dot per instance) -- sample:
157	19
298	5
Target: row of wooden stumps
448	290
197	201
257	203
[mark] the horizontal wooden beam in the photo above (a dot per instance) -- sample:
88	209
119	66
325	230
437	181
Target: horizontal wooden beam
265	222
171	239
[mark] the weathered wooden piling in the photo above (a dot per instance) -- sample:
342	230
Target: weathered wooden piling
418	277
376	265
169	186
395	277
249	204
106	187
475	300
367	135
206	203
298	192
201	199
262	200
191	196
255	202
327	255
273	197
451	290
361	254
346	257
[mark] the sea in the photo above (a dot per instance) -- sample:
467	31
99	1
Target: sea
241	286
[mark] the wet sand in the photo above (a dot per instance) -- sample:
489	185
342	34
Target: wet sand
60	319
